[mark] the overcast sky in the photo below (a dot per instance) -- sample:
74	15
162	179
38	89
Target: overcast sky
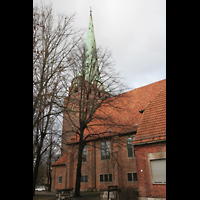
134	31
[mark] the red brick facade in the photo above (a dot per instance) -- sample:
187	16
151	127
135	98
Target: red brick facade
118	165
124	170
150	145
146	188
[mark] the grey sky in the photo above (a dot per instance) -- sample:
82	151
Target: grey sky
134	30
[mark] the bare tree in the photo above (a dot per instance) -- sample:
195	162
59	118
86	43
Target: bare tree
53	40
93	90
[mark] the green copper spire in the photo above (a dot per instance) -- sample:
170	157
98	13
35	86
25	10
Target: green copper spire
91	61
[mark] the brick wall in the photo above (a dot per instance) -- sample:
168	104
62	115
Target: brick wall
118	165
57	172
146	188
69	129
94	166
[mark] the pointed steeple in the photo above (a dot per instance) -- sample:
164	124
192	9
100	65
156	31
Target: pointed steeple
91	60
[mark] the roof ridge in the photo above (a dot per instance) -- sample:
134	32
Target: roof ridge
61	160
142	87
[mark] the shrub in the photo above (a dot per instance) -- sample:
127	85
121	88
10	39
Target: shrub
129	193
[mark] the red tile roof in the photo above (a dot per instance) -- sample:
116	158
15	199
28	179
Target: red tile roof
153	123
61	161
121	114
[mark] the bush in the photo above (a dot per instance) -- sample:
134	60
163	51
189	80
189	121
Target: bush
89	190
129	194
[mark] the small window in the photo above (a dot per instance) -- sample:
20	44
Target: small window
132	176
135	176
110	177
84	178
60	179
105	177
101	178
129	176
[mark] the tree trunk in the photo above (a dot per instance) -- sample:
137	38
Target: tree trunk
36	169
35	173
79	164
49	167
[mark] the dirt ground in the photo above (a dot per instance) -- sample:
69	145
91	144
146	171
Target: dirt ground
51	195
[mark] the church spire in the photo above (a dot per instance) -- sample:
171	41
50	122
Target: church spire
91	60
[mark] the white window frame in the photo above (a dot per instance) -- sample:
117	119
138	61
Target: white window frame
155	156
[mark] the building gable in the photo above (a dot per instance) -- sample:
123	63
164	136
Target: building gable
153	123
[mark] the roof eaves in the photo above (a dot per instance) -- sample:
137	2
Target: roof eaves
148	142
105	136
53	165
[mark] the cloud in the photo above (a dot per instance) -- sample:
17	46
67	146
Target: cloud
134	30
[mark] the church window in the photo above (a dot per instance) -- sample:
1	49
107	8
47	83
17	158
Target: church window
84	153
130	148
60	179
105	150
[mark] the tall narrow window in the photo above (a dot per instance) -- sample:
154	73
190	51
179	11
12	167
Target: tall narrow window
84	153
106	177
108	150
103	155
105	150
135	176
101	178
110	177
130	177
60	179
130	149
86	178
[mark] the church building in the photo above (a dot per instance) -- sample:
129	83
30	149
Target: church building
130	151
